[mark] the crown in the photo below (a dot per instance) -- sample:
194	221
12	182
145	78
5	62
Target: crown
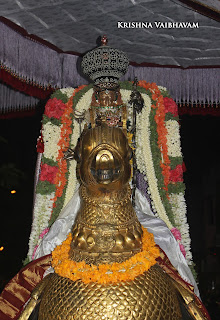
105	65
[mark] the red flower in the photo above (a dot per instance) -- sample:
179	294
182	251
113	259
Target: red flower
182	249
184	167
170	106
48	173
54	108
40	145
176	174
176	233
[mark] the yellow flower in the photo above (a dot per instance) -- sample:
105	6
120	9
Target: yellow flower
105	273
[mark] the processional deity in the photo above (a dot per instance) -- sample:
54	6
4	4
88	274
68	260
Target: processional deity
109	208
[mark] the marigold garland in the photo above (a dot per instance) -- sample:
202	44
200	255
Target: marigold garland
105	273
161	129
164	120
66	130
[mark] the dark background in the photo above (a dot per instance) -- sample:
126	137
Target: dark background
201	150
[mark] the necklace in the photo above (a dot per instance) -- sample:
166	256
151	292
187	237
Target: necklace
113	116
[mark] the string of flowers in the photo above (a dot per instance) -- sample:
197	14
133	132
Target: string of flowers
80	103
161	164
64	143
166	110
145	161
105	273
161	129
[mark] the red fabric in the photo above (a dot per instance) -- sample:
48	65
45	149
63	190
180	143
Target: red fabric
21	85
166	265
199	111
18	114
18	290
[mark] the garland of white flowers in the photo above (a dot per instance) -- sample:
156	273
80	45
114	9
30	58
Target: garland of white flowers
173	138
145	160
143	152
82	106
51	134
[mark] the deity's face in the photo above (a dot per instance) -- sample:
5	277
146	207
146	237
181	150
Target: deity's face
107	97
104	159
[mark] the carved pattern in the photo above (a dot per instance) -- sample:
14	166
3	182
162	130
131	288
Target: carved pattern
149	296
106	230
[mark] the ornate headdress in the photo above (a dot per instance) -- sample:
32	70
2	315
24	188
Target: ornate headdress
105	65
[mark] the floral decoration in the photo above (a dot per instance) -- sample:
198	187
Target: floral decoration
173	138
158	154
176	175
170	106
177	235
182	249
48	173
54	108
105	273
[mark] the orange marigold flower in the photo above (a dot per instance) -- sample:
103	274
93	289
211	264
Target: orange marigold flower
105	273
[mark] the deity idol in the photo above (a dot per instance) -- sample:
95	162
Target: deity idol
103	182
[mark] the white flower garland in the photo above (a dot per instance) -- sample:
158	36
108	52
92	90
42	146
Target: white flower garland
72	180
51	134
173	138
162	88
145	159
179	205
84	102
42	213
67	91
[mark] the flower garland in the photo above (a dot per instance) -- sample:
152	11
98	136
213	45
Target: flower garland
105	273
150	149
42	214
159	155
144	156
161	129
63	144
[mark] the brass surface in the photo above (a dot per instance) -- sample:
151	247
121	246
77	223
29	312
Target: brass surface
104	154
149	296
193	304
107	230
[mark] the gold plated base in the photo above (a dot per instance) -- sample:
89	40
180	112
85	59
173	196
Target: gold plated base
150	296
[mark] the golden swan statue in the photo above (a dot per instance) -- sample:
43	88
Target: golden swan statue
109	266
106	269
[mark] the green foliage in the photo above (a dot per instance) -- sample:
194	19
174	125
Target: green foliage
25	261
81	93
60	96
60	201
45	187
52	120
194	273
174	161
156	155
165	93
48	161
170	116
176	188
